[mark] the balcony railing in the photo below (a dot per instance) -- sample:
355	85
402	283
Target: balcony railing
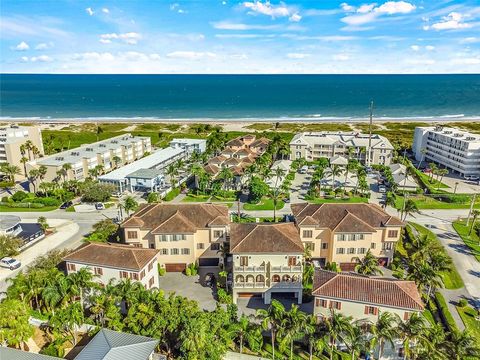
250	285
250	268
263	285
282	269
287	284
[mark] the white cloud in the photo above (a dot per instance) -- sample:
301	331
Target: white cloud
225	25
274	11
106	11
130	38
155	57
239	56
244	36
466	61
89	11
23	46
190	55
24	58
176	7
470	40
33	27
346	7
341	57
370	12
395	7
295	17
421	61
415	47
430	47
44	46
452	21
95	56
297	55
366	8
41	58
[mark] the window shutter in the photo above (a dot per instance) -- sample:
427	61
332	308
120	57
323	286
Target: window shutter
339	305
317	302
366	310
405	316
375	311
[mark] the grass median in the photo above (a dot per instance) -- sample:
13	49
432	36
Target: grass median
472	240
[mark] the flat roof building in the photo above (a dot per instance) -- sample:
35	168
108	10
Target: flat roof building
17	142
110	154
452	148
314	145
190	145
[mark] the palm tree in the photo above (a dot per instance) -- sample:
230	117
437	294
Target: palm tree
33	175
384	330
81	281
336	326
65	168
197	171
241	330
475	214
410	207
172	172
441	173
279	173
368	265
433	170
463	345
313	335
28	147
424	276
423	151
292	326
272	320
351	165
317	179
411	332
116	160
226	175
334	171
129	204
355	339
24	161
10	170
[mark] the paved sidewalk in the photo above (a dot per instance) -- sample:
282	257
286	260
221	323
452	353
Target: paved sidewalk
452	297
178	199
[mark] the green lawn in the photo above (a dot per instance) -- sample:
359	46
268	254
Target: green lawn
70	209
42	209
264	204
431	182
468	317
472	241
354	199
451	279
172	194
196	198
427	202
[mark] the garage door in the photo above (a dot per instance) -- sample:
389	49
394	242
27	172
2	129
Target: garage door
249	295
208	261
175	267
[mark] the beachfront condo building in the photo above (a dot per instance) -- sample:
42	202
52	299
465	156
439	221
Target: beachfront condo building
343	233
267	260
17	142
110	154
451	148
314	145
183	233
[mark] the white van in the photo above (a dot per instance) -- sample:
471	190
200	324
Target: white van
303	169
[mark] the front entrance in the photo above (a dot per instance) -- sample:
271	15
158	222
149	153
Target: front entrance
175	267
249	295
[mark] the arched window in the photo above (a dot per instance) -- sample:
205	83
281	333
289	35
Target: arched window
250	279
260	278
294	278
239	279
276	278
286	277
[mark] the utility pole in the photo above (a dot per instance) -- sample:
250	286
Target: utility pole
471	208
368	159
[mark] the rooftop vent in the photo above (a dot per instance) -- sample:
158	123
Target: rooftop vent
59	158
458	135
114	142
89	149
447	132
75	153
470	138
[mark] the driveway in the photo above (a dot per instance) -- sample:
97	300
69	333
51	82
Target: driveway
300	186
463	186
189	287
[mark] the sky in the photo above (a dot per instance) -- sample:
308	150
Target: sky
225	36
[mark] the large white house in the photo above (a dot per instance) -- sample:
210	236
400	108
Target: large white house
109	261
452	148
267	259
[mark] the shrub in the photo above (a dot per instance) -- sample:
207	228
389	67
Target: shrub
445	313
463	302
19	196
188	272
161	270
96	192
223	296
47	201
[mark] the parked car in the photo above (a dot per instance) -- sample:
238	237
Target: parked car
471	177
66	204
303	169
382	189
99	206
10	263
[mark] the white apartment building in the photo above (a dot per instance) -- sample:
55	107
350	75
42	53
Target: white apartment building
109	261
314	145
452	148
190	145
110	154
267	259
11	140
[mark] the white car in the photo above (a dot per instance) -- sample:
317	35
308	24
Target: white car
10	263
303	169
382	189
471	178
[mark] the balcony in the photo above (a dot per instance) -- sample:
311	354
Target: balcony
250	285
287	284
249	269
282	269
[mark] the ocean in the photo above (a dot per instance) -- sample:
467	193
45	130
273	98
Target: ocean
248	97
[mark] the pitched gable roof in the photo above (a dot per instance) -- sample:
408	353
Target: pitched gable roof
113	345
110	255
358	288
177	218
265	238
360	217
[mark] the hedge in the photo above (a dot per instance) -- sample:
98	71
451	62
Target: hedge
22	205
445	313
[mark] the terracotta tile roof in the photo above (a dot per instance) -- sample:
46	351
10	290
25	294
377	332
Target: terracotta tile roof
236	142
369	290
112	255
177	218
232	162
211	169
265	238
344	217
217	159
260	142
